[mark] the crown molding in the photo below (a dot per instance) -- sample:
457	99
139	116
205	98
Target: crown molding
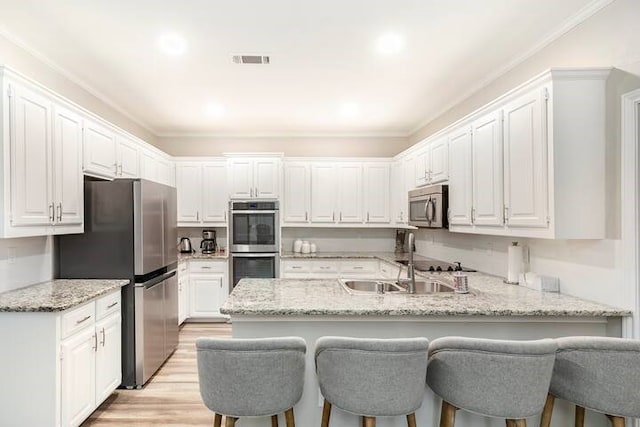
283	134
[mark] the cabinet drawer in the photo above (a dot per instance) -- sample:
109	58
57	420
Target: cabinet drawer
296	267
78	319
359	267
107	305
207	266
325	267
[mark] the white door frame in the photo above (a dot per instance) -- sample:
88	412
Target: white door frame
630	224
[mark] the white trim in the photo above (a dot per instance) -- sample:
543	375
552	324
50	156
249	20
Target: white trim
285	134
629	204
575	20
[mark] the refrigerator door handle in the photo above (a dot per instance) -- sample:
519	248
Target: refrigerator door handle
152	282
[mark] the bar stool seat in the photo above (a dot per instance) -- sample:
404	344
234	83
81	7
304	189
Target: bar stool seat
597	373
251	377
495	378
372	377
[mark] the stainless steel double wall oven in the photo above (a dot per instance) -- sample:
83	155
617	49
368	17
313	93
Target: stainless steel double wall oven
254	239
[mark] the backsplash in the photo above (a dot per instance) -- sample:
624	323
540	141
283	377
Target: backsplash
195	235
341	239
25	261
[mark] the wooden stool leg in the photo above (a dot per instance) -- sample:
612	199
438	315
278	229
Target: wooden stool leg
370	421
617	421
411	420
274	421
363	422
579	421
520	423
217	420
326	413
229	422
448	414
510	423
547	412
288	416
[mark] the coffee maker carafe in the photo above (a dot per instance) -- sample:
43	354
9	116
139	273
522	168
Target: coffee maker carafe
208	244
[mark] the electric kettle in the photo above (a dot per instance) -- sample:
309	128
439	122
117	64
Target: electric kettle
185	245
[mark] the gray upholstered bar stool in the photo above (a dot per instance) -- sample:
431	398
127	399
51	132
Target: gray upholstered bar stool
503	379
372	377
597	373
251	377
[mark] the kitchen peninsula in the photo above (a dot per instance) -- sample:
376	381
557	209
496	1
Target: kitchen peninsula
312	308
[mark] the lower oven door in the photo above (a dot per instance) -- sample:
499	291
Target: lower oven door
254	266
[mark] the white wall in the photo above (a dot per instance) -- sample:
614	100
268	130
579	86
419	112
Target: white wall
341	240
25	261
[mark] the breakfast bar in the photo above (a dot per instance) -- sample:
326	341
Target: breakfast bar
312	308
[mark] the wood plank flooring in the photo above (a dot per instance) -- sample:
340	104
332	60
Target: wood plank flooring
171	397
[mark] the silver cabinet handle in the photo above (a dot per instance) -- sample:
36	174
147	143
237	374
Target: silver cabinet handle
333	216
358	267
340	216
473	215
115	167
306	216
104	337
83	320
51	213
295	267
197	215
112	305
120	169
251	192
60	212
367	216
205	267
506	214
257	192
95	341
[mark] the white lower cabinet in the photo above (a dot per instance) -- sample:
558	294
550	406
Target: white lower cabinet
108	357
203	288
78	377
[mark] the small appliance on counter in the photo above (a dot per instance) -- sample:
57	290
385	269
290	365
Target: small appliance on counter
208	244
185	246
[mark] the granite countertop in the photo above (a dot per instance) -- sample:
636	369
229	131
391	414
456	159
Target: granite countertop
200	255
57	295
488	297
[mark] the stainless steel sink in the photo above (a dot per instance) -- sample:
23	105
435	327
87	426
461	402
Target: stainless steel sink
385	286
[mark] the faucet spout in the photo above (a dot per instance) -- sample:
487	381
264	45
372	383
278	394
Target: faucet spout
411	274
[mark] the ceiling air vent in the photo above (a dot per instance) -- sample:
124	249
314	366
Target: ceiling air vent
251	59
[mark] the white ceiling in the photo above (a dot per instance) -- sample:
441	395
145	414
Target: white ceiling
323	56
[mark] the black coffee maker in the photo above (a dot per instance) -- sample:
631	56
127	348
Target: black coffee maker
208	244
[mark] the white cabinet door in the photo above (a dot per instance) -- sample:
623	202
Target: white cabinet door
421	167
164	171
67	167
487	170
439	169
108	356
525	161
31	182
265	178
214	193
323	193
205	291
99	150
189	187
78	377
183	298
241	179
296	192
148	166
350	193
128	159
376	193
397	186
460	176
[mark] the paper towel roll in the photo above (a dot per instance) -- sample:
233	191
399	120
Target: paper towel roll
514	259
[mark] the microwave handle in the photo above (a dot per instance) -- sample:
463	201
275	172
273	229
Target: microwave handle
426	210
434	210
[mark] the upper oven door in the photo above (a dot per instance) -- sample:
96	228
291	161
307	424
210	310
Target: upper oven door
254	231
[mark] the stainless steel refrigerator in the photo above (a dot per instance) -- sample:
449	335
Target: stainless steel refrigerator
131	233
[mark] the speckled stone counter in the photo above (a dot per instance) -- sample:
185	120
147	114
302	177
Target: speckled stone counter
56	295
348	255
199	255
488	297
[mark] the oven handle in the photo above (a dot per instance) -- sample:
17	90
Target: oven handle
259	255
236	211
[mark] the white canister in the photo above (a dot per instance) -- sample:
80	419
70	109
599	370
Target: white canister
306	247
297	246
314	248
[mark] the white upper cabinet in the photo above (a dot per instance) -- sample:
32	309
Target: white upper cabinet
68	184
148	166
297	188
127	158
99	150
460	176
31	162
323	193
487	170
377	180
349	204
421	164
525	160
253	178
432	163
202	196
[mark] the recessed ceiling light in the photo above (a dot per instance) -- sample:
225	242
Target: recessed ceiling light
390	43
214	110
172	44
349	109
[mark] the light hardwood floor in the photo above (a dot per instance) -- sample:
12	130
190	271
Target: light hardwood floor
171	397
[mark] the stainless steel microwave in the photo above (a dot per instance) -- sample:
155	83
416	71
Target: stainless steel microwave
428	207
